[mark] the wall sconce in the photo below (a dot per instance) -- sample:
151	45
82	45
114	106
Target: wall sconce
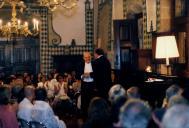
166	47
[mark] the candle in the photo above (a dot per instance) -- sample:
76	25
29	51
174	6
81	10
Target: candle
19	23
37	25
1	22
34	24
9	24
26	24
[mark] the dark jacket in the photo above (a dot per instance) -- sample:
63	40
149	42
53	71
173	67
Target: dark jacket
80	70
102	75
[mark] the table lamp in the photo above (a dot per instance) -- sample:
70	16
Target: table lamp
166	47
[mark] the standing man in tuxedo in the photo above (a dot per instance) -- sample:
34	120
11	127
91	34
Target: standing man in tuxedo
102	73
85	74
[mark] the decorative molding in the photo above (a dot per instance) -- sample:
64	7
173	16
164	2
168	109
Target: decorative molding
105	25
53	38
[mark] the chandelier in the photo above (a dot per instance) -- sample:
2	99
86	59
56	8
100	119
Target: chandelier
54	4
15	27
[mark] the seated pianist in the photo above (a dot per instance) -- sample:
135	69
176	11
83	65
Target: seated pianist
151	76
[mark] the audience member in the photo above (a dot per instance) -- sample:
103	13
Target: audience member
27	79
98	114
117	97
17	93
7	113
171	91
10	80
158	113
116	92
39	75
176	99
51	83
42	112
19	80
42	82
135	114
26	106
62	87
176	117
133	92
64	108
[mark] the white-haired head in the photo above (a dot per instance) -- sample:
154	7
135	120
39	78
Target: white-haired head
116	92
176	117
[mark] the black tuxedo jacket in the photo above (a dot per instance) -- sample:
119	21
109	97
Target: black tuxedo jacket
80	70
102	74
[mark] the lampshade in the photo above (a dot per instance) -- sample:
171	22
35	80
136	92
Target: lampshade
166	47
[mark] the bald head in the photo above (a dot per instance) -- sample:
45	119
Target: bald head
87	57
29	92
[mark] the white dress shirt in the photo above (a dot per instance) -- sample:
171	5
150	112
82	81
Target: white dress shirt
87	69
42	85
99	56
62	91
51	87
42	112
25	110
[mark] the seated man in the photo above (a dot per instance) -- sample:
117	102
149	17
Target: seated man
176	117
26	106
42	112
133	92
135	113
117	97
170	92
116	92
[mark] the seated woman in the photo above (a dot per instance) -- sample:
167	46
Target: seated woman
98	114
42	82
42	112
62	87
7	113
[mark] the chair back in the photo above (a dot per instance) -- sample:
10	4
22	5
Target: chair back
23	123
35	124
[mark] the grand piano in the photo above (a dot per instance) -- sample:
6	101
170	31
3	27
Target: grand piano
152	86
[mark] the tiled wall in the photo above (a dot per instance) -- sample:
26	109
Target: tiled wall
48	51
147	37
105	25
